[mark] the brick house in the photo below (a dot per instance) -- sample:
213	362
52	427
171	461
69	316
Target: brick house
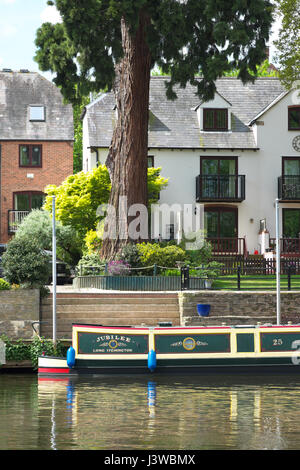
36	144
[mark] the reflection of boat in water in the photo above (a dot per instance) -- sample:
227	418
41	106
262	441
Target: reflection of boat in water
99	350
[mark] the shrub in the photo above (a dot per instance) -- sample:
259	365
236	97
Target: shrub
153	253
90	264
130	254
118	268
92	242
38	225
4	285
25	263
22	350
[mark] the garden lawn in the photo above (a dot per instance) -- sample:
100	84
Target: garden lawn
256	282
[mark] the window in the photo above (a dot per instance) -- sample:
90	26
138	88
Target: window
291	166
215	119
37	113
219	177
294	118
30	156
150	161
28	200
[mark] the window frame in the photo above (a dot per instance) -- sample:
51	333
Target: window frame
30	194
291	108
30	147
215	111
150	157
37	106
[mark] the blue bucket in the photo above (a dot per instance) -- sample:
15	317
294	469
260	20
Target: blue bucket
203	310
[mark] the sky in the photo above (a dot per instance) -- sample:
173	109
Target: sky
19	20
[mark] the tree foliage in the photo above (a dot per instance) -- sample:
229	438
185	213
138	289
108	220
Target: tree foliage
78	198
26	263
114	44
185	38
80	195
38	225
288	43
77	148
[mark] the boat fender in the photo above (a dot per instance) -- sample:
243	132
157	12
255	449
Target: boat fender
71	357
152	360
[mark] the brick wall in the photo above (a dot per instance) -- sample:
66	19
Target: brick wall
57	164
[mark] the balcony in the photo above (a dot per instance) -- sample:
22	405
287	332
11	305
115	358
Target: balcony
220	188
289	188
14	220
228	246
288	246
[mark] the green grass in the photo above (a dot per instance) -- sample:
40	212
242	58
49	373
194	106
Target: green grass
263	282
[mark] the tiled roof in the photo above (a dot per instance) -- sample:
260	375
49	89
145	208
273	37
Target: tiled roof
174	124
19	90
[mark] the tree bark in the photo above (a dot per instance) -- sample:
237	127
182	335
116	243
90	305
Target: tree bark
127	157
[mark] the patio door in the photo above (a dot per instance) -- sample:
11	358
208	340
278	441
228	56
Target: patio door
291	230
221	226
219	174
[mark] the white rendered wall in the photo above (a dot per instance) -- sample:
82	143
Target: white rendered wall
261	168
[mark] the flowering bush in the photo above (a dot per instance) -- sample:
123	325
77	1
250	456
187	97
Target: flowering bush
118	268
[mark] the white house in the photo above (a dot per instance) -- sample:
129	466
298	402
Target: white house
235	155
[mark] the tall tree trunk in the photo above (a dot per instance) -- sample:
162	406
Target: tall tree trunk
127	157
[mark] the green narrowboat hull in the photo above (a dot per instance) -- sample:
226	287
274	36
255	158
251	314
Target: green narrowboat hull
98	350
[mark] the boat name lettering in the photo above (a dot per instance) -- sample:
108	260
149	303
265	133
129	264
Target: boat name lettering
113	337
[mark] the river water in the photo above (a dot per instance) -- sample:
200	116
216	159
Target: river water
173	412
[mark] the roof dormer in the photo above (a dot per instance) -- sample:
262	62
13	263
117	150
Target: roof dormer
214	115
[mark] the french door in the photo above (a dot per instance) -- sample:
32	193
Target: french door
221	226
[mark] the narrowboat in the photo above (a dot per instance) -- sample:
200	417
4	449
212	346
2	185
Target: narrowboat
98	350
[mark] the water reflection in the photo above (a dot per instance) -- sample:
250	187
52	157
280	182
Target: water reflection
174	412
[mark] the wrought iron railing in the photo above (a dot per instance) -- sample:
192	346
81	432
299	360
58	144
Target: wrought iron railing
14	219
220	188
289	188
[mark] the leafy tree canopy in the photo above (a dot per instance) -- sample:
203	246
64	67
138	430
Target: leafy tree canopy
38	226
185	38
79	196
288	43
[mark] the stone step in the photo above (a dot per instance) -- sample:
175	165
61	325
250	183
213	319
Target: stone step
120	310
112	301
96	314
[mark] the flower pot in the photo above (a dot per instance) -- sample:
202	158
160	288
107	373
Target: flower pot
203	310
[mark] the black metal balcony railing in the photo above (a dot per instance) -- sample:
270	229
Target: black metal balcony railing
230	188
14	220
289	188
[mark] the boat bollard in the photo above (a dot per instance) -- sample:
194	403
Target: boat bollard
152	360
71	357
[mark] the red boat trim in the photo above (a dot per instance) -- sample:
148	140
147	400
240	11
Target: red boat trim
109	327
53	370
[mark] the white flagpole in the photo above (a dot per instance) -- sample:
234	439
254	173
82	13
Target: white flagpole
53	270
278	310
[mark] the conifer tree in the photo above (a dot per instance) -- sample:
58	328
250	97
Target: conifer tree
114	44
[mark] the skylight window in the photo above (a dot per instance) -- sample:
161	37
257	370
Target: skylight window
37	113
